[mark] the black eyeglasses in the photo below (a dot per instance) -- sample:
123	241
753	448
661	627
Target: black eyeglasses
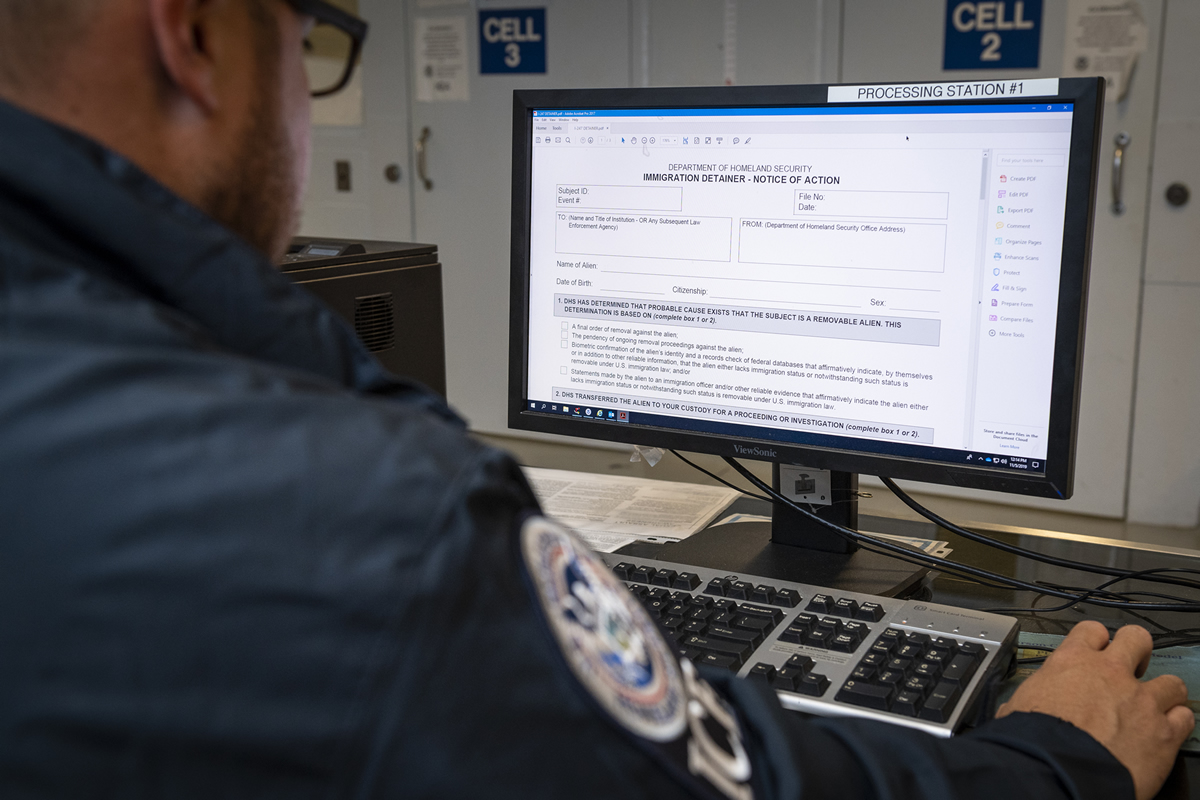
332	47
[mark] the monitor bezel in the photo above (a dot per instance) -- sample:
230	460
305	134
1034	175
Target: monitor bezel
1057	480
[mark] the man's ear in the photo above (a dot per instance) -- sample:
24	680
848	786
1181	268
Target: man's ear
183	33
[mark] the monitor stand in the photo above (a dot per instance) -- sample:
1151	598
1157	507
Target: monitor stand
795	548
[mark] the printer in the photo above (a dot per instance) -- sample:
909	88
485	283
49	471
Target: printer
390	292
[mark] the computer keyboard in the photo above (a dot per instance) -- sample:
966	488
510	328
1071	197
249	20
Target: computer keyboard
825	651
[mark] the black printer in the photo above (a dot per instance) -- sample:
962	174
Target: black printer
391	292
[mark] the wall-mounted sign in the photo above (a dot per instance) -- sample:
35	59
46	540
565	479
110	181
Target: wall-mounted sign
441	62
512	40
1105	39
1002	34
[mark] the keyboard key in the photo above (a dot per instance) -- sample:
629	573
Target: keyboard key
696	626
920	639
974	649
787	678
699	613
656	607
752	638
773	614
866	694
690	653
907	703
642	574
813	684
702	601
873	659
760	624
894	635
891	677
843	643
858	630
819	603
718	660
738	650
739	590
940	703
802	663
725	604
944	643
900	664
658	593
928	669
761	672
686	580
664	577
922	686
938	656
676	608
722	618
638	591
763	594
682	597
788	598
844	607
871	612
863	673
806	620
960	669
795	634
882	648
623	570
830	624
910	651
717	586
671	622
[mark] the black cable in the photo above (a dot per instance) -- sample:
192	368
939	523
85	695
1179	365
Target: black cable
768	500
980	538
718	478
865	547
975	575
944	565
1136	575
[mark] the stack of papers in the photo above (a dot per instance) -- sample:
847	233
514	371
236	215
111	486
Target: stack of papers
611	511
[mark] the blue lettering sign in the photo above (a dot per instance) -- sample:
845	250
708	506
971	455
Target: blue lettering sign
513	40
1001	34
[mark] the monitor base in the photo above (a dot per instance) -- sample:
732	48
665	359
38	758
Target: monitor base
746	548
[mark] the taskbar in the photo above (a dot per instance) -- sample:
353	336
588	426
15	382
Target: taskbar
608	415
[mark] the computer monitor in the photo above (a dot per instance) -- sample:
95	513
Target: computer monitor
888	279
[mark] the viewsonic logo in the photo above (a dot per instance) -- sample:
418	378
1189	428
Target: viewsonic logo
758	452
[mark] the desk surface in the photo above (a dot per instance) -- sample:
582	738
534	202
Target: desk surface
1121	554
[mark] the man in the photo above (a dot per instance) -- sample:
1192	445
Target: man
240	560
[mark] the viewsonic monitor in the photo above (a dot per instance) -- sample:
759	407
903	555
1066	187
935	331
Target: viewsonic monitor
887	279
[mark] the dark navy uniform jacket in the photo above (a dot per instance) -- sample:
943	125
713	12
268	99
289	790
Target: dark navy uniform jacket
240	560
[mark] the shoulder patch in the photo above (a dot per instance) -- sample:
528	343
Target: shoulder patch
608	640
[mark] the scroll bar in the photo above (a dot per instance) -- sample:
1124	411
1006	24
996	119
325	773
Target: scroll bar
979	309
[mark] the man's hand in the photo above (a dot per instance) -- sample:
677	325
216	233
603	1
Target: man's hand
1092	683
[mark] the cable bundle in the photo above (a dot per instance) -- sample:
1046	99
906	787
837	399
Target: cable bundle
1102	595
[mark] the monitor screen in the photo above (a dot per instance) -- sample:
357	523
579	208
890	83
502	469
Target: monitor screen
894	286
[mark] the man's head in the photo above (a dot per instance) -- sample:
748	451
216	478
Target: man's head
208	96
